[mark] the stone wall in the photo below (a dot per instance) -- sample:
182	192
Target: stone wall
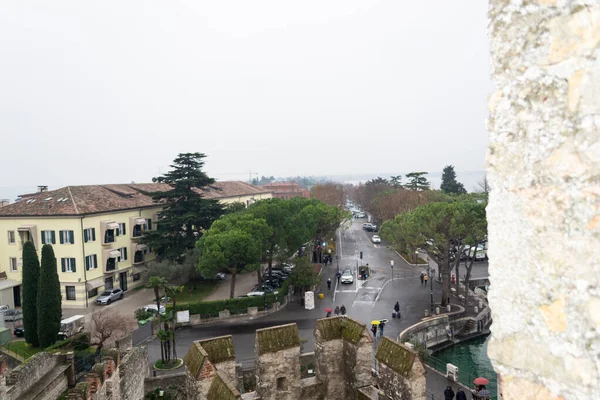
43	376
133	371
543	166
401	374
173	384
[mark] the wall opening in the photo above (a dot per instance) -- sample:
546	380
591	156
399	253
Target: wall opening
281	383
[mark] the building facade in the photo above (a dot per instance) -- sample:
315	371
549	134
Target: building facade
95	232
287	190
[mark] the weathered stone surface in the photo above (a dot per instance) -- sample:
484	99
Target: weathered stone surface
277	338
174	384
221	389
401	373
312	389
543	166
132	373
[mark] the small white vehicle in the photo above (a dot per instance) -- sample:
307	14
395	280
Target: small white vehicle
70	326
347	277
151	308
375	239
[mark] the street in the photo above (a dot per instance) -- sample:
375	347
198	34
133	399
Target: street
364	300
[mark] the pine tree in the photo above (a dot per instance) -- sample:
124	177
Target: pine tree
449	182
49	299
186	212
31	276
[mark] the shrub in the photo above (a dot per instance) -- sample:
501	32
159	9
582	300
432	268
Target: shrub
235	306
141	315
78	342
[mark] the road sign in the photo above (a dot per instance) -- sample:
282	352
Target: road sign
392	263
361	255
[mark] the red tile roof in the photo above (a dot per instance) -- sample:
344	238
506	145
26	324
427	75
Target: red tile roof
91	199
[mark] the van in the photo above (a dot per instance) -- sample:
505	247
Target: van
70	326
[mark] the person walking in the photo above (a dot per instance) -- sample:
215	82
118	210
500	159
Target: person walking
426	278
343	309
329	284
338	276
449	393
422	277
397	309
381	325
460	394
336	311
374	330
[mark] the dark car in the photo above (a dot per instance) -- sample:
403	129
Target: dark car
19	331
274	283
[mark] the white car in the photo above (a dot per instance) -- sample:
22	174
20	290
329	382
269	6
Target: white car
375	239
152	308
346	277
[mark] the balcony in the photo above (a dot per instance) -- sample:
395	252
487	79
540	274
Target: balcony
139	253
109	260
107	230
137	227
28	233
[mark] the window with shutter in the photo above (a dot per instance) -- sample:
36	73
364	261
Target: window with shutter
93	233
71	237
87	263
43	237
73	269
61	237
63	264
53	237
95	261
85	235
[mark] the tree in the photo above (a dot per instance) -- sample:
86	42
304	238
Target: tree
233	249
449	182
172	291
483	186
234	207
49	310
156	283
417	181
31	276
107	325
186	213
304	276
396	181
329	193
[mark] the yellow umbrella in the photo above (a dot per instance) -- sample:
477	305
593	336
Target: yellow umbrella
375	322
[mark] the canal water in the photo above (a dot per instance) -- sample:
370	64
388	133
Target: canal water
472	361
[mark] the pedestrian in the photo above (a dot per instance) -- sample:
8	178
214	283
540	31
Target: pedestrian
449	393
425	278
338	276
374	330
422	277
336	311
329	284
397	309
328	314
381	325
343	309
460	394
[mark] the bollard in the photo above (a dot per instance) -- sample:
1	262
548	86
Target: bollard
437	310
476	310
449	308
426	312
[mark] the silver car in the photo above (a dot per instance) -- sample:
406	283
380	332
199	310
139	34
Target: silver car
347	277
108	296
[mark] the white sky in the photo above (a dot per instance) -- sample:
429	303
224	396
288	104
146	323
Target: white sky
111	91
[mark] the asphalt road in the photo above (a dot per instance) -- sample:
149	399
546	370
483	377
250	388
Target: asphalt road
364	300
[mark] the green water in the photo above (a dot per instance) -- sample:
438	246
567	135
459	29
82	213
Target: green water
472	361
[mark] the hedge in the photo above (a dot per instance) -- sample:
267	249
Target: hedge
235	306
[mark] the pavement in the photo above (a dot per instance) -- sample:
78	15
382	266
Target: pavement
364	301
244	283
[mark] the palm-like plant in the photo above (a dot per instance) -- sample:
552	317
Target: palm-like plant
172	291
157	283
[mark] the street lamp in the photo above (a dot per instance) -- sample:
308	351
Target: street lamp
431	284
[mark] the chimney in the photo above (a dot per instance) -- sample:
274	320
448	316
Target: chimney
41	189
4	202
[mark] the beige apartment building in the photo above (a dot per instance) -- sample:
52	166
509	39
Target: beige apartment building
95	231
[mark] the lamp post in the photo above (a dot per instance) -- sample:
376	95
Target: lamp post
431	284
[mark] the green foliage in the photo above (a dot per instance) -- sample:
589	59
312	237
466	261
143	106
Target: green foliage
239	305
449	182
142	315
49	299
304	275
31	276
234	207
186	212
417	181
396	181
78	342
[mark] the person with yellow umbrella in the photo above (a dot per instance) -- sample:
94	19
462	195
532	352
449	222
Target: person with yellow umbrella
374	324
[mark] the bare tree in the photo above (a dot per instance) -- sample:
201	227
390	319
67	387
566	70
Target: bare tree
329	193
109	326
483	186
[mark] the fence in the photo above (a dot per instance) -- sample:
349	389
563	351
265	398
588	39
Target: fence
141	334
84	364
464	378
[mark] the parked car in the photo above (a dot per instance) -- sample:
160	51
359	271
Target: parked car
347	276
19	331
12	315
370	227
70	326
151	308
375	239
4	307
274	283
108	296
221	276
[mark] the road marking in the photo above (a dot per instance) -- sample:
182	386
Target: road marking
362	302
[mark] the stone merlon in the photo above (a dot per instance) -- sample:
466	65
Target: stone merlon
270	340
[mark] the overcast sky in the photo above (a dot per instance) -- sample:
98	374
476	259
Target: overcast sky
111	91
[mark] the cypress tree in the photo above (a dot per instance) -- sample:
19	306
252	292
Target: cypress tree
31	276
49	299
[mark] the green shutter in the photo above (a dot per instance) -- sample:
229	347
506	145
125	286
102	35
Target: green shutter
62	264
73	265
93	234
43	237
125	252
71	237
124	229
85	236
95	261
87	263
53	237
61	236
